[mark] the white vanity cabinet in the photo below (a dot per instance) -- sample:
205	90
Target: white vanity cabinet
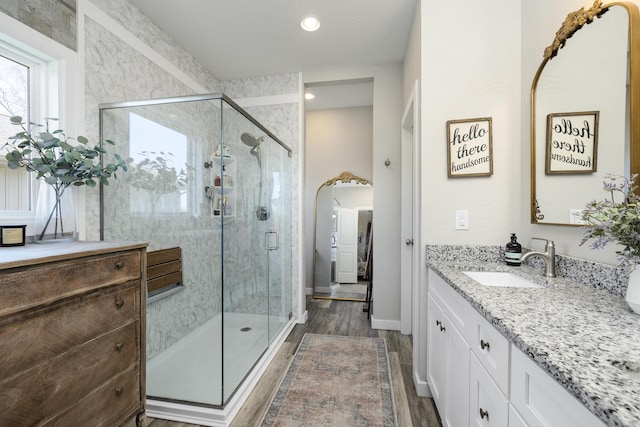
472	366
541	401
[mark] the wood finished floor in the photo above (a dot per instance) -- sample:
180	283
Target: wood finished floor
333	317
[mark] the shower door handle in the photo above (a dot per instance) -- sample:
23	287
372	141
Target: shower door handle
267	240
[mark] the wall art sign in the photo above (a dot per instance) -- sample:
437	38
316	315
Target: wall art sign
469	147
572	142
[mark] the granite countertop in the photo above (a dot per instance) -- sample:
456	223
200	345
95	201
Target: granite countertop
587	339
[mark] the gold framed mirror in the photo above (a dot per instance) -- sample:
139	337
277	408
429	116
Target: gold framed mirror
343	238
592	67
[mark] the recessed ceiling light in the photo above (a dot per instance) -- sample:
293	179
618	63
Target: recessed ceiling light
310	23
309	96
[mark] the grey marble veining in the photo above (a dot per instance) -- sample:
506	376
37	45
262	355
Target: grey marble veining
55	19
583	336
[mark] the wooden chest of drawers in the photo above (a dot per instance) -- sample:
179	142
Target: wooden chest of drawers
72	334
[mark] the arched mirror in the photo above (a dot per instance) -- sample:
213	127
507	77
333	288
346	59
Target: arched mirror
343	238
582	99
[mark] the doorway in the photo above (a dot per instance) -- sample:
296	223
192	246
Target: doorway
339	139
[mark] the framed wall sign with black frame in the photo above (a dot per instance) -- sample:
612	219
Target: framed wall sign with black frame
572	143
469	148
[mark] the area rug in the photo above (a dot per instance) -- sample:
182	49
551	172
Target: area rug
335	381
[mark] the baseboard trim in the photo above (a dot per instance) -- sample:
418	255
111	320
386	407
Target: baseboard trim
388	325
421	386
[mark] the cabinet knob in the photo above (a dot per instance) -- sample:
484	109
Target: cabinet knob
119	264
484	345
118	391
438	323
119	346
484	414
119	304
442	328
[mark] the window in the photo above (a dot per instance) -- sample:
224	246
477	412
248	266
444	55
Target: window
158	169
36	75
15	100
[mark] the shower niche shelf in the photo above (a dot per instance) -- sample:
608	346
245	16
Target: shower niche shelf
223	189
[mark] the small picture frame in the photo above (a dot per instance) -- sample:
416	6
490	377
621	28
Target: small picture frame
12	235
469	147
572	143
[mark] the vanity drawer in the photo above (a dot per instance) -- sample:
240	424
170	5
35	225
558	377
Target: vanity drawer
487	406
492	350
30	339
34	395
115	400
23	288
457	309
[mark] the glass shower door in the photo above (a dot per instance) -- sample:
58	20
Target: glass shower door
245	267
277	238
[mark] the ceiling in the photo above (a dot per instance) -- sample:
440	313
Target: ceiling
236	39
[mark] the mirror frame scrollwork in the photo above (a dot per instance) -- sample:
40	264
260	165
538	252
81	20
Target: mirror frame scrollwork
573	23
345	177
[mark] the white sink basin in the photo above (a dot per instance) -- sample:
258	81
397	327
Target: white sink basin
501	278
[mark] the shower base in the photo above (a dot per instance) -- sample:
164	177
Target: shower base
190	370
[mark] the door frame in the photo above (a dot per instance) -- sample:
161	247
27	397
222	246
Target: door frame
410	224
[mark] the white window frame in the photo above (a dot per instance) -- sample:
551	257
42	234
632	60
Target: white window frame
56	79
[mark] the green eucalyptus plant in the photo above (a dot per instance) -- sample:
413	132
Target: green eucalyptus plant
54	159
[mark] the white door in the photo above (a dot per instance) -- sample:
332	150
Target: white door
347	254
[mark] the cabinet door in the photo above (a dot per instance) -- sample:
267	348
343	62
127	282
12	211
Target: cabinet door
447	368
543	402
488	406
436	353
515	420
457	379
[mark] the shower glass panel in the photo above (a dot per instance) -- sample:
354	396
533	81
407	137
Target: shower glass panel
196	183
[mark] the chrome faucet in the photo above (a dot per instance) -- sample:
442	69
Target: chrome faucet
548	256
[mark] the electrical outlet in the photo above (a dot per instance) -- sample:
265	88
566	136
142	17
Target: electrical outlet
462	220
575	218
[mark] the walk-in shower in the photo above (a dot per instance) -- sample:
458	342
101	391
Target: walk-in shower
194	186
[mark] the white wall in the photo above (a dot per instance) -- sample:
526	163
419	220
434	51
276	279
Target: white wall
475	73
337	140
387	112
412	65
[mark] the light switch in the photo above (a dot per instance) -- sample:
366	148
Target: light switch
462	220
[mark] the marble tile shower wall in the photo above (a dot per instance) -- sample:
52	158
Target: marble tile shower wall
601	276
55	19
146	31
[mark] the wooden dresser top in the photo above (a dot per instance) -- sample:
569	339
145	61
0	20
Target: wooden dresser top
33	254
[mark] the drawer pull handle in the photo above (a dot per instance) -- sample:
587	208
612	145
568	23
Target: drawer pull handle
442	328
119	346
119	304
118	391
119	264
484	414
438	323
484	345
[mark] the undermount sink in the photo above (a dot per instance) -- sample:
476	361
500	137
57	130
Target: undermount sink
501	278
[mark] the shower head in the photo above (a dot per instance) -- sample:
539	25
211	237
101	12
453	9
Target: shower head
250	140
